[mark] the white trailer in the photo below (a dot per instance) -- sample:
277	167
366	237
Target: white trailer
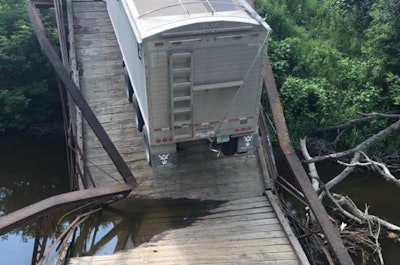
193	71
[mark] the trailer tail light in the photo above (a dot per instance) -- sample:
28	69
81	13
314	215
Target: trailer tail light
158	44
243	129
239	37
176	43
254	36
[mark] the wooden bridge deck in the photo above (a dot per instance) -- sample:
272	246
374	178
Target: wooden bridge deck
245	229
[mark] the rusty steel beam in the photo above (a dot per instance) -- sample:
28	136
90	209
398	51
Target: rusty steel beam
49	205
331	233
43	2
76	95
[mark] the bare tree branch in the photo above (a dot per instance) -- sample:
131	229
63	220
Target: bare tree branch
381	168
351	123
362	146
377	244
345	172
311	166
364	216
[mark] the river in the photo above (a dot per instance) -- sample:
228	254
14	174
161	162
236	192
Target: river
32	169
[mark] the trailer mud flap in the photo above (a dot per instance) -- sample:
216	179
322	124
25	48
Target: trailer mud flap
163	160
247	143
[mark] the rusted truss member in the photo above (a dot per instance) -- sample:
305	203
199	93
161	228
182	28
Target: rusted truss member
76	95
332	235
47	206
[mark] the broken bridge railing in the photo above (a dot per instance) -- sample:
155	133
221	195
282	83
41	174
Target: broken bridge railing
310	197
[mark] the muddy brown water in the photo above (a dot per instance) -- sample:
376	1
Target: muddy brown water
364	188
32	169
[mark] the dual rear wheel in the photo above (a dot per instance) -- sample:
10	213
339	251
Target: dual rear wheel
138	115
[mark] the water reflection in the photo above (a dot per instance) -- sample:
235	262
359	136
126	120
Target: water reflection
132	222
31	169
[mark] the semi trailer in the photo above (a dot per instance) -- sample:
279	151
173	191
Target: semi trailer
193	70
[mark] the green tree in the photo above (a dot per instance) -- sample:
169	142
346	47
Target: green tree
27	88
333	59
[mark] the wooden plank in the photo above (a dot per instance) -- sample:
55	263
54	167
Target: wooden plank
109	64
199	257
93	29
82	52
277	241
88	6
227	226
88	14
83	261
105	160
98	18
124	150
94	37
280	252
98	58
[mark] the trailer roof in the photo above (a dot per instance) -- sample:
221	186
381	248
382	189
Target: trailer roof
151	17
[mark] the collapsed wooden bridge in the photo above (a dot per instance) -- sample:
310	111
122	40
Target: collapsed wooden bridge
247	228
244	230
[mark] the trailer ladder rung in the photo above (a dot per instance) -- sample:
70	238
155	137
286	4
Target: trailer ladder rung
182	98
182	70
182	110
181	54
181	83
183	123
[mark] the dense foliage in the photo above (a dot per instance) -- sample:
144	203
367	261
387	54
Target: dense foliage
28	93
334	58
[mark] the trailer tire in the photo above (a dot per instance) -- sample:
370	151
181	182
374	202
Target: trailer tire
138	114
128	85
146	143
229	148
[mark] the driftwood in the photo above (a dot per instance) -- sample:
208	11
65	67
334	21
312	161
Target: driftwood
358	228
354	122
362	146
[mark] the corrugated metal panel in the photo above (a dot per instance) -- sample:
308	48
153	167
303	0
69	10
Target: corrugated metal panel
221	65
156	8
158	80
151	17
226	64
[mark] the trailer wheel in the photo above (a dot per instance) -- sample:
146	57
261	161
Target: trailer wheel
229	148
138	114
147	149
128	85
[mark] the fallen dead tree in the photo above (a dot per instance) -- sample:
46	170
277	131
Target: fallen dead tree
359	229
